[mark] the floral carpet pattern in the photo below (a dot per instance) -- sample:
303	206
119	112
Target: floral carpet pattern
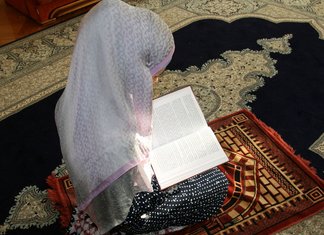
35	67
25	65
318	146
239	73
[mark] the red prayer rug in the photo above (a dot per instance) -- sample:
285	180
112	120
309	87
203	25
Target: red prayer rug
270	189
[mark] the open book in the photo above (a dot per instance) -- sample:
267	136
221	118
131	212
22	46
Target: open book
183	144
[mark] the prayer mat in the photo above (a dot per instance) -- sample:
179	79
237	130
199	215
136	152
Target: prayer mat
270	188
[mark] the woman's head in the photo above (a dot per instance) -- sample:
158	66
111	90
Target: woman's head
135	39
160	46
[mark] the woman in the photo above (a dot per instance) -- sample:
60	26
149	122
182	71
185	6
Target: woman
107	104
104	115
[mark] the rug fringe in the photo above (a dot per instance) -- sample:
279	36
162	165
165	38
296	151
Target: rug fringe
57	200
277	137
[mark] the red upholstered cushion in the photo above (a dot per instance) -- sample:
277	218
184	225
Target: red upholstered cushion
45	10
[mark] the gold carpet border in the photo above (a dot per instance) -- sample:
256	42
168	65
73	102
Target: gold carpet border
318	27
32	100
174	13
34	87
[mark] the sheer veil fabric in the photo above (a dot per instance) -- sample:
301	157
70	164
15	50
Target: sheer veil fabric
107	105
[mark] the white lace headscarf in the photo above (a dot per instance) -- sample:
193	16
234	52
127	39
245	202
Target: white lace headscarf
108	97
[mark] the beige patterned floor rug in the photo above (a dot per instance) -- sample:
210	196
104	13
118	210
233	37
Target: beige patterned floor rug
34	71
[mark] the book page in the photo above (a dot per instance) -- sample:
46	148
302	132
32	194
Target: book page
176	115
186	157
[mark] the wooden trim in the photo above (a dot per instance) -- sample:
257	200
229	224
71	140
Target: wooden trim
74	6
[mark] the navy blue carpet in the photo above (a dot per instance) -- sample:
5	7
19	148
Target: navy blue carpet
291	102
